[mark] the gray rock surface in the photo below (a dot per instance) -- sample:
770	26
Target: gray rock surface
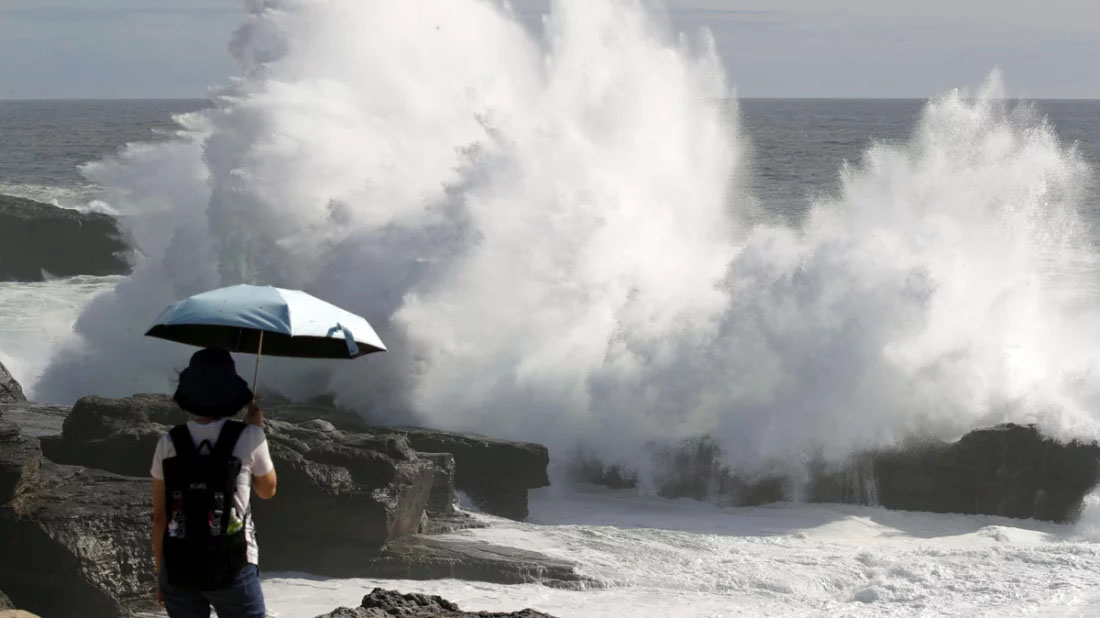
453	556
382	603
495	474
35	419
344	499
117	435
338	490
82	535
10	390
349	504
37	238
5	602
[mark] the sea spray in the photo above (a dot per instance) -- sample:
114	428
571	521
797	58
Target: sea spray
551	235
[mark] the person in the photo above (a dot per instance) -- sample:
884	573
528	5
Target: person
204	540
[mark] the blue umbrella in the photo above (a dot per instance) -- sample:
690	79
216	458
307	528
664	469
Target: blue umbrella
267	320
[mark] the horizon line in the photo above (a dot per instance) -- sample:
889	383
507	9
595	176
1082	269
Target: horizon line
739	98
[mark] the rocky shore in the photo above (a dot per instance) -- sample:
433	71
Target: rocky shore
1007	470
353	502
362	501
40	240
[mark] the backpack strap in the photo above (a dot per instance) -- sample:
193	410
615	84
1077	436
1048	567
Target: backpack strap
181	439
227	439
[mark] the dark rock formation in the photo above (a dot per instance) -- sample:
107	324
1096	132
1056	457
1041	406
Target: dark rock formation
385	603
1010	470
37	238
5	602
10	391
344	497
339	492
117	435
495	474
81	535
335	489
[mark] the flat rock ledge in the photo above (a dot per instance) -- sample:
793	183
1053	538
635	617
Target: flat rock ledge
382	603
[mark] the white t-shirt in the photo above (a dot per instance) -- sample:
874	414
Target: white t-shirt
251	449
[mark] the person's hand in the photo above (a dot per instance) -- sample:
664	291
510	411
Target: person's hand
254	416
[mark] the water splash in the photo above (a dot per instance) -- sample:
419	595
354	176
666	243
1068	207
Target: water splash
550	233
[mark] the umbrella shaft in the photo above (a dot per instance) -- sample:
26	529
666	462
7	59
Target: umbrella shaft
256	374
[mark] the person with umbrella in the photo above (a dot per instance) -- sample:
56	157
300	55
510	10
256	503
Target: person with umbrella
204	539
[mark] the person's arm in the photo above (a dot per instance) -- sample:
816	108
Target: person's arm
160	522
264	484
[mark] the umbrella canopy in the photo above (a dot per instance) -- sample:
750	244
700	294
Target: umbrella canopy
278	322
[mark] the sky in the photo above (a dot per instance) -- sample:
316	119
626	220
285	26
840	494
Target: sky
771	48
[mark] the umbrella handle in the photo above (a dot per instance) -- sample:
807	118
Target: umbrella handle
256	374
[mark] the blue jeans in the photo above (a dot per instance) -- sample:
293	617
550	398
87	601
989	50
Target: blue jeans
241	599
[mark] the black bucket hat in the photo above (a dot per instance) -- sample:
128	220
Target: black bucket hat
210	385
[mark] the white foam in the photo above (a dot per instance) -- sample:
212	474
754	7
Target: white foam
685	559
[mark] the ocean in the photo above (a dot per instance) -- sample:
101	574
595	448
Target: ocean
658	557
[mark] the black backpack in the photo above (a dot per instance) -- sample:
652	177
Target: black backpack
204	542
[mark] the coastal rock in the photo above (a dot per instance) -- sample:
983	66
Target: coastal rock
35	420
81	531
39	239
10	391
348	505
382	603
338	492
456	557
1009	470
335	488
117	435
495	474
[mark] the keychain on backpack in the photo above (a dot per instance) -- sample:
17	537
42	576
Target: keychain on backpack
177	526
216	514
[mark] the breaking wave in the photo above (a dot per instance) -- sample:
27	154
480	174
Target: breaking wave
551	233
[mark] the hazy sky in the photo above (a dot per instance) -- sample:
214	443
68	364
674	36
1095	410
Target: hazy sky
812	48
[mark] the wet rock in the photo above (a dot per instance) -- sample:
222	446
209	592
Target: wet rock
39	239
1009	470
495	474
382	603
450	556
351	492
10	390
35	420
117	435
81	535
